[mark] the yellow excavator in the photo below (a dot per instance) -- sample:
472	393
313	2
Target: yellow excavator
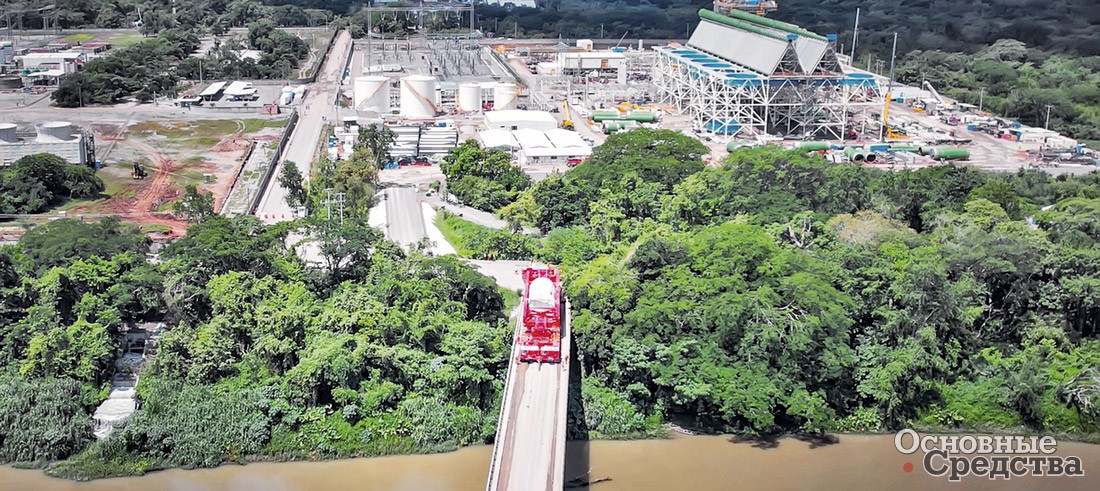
567	119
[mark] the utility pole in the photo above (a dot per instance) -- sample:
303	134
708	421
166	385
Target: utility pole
1047	126
601	31
370	42
981	99
855	35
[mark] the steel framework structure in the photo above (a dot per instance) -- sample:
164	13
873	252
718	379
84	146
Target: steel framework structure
739	102
752	76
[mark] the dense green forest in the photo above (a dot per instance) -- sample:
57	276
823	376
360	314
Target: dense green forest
778	292
773	293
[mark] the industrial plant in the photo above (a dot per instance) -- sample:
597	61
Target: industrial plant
60	138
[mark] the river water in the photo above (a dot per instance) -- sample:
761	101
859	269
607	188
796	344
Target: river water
696	463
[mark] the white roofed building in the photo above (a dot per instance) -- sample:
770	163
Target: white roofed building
515	119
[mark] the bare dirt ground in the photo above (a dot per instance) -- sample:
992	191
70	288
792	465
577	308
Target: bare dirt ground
207	154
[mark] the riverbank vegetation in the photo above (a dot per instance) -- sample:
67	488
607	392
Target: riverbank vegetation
376	352
778	293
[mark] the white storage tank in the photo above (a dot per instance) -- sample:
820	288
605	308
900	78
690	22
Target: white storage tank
418	96
372	93
469	97
504	97
54	131
7	133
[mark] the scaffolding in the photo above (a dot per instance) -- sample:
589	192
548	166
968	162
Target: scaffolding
738	77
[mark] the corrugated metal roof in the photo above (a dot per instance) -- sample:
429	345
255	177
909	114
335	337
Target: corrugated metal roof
748	49
809	52
528	138
497	139
565	138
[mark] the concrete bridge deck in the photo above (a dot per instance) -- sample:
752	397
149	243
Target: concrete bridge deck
529	453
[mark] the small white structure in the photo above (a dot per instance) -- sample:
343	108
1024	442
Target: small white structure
504	96
418	97
607	64
469	97
213	91
372	93
585	44
515	119
241	91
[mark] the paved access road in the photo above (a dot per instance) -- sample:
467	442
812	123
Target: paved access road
317	108
404	221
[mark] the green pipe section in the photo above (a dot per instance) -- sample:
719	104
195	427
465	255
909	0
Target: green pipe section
855	154
950	153
774	24
598	116
904	148
814	146
641	116
744	26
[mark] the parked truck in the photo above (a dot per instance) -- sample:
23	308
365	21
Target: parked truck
540	337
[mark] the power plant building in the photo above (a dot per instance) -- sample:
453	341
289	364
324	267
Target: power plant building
747	75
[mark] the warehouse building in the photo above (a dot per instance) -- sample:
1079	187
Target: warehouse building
516	119
531	146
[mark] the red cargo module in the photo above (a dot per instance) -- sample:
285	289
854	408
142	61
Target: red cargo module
540	340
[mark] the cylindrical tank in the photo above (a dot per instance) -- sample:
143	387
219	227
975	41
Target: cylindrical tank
372	93
469	97
7	133
54	131
504	96
855	154
641	116
814	146
418	96
950	153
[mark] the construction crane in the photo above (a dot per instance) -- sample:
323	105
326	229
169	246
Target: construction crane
567	119
758	7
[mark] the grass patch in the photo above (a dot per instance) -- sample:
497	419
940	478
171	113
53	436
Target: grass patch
255	125
198	159
204	142
149	228
78	38
123	40
456	230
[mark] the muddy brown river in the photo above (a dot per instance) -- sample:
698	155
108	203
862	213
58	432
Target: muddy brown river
697	463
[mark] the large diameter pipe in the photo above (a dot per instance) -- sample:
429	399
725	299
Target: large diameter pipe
855	154
814	146
745	26
774	24
950	153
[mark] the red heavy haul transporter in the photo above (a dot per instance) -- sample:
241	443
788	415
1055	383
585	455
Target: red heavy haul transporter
540	340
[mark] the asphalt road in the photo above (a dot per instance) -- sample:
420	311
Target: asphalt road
318	107
404	221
